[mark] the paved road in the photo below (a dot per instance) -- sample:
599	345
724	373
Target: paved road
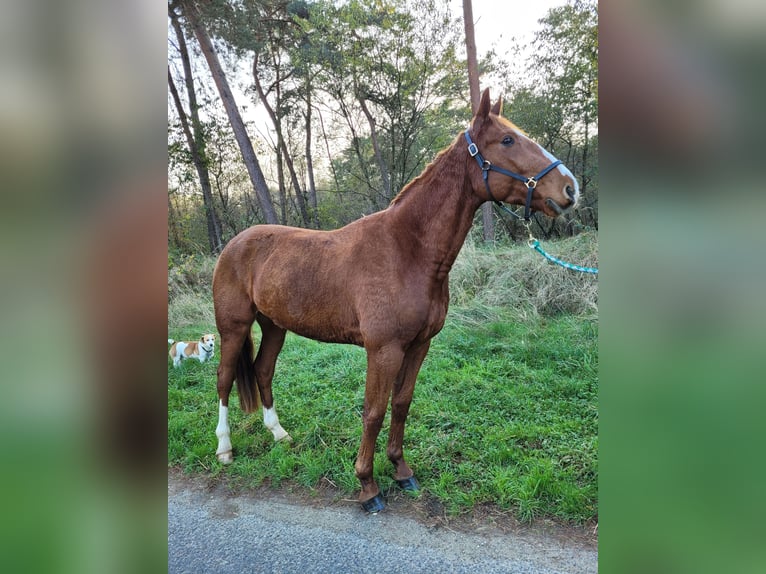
212	530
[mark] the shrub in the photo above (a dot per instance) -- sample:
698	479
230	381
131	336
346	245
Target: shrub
190	274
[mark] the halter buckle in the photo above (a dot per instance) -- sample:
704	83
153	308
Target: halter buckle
486	165
531	183
531	239
472	149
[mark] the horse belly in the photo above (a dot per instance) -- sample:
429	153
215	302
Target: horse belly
335	327
313	309
329	334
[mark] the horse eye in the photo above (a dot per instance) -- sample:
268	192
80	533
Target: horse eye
507	140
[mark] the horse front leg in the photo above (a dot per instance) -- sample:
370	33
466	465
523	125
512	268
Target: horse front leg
383	365
400	408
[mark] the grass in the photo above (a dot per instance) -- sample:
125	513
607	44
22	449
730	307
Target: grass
504	413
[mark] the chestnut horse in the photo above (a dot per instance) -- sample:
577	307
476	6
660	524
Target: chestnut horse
380	282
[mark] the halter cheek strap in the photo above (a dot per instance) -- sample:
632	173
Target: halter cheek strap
486	167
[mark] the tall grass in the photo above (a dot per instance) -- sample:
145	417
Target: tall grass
505	410
517	279
190	284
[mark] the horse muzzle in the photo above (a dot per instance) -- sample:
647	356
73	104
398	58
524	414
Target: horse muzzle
571	193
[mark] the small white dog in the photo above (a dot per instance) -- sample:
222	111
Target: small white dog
202	349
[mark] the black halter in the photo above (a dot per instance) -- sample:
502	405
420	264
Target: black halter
486	167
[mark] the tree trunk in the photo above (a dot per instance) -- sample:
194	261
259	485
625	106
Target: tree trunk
282	145
329	155
213	225
583	181
376	149
237	125
172	223
346	113
309	161
487	218
282	187
197	142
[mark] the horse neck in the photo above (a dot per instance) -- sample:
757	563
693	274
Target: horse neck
436	209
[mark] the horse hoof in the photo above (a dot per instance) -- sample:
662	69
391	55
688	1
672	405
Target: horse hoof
409	484
374	505
225	457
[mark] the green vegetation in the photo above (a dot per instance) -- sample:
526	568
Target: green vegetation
505	410
369	91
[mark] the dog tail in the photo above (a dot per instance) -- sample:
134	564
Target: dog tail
170	341
247	387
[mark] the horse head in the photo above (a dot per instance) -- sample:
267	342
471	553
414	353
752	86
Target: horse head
513	168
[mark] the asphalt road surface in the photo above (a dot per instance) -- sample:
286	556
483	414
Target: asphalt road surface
211	529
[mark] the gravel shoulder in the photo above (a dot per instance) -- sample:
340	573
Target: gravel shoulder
214	527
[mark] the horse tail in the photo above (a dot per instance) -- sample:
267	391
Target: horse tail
247	386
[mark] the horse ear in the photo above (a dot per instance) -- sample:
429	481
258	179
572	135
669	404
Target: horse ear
497	109
483	110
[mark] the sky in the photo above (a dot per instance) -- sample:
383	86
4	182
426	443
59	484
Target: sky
498	23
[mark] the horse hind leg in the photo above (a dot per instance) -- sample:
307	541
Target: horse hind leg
272	340
236	359
224	450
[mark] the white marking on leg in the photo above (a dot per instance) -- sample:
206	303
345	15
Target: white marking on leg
223	452
271	420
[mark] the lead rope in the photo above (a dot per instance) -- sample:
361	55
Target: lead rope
535	244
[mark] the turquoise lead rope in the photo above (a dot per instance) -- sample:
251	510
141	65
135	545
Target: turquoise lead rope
535	244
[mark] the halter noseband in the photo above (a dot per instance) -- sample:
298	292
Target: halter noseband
486	167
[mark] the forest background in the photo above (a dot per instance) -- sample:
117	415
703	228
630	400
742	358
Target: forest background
342	103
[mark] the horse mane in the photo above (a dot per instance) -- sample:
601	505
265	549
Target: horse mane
425	176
